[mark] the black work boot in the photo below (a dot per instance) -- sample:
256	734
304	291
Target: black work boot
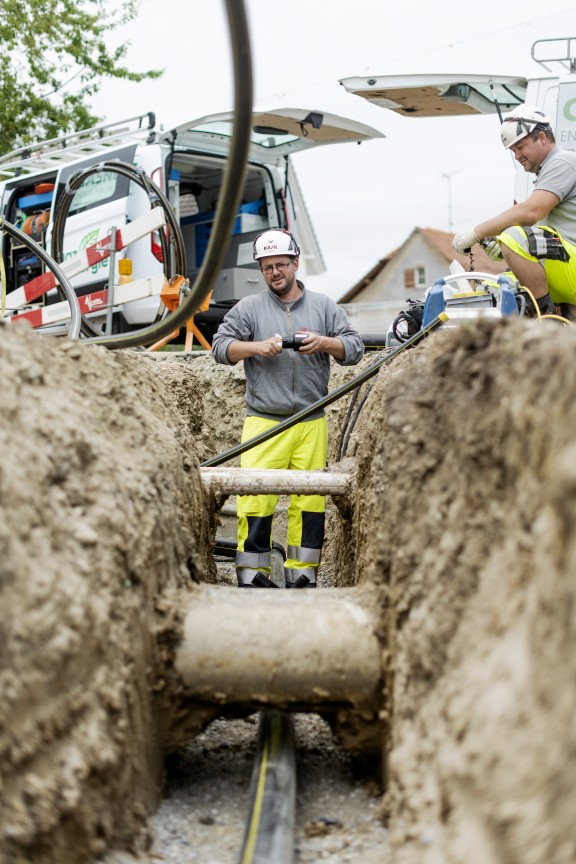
301	582
545	305
261	580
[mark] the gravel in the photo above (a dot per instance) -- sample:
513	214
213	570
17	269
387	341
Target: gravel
201	818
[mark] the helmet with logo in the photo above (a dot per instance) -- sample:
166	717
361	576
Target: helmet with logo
521	121
275	241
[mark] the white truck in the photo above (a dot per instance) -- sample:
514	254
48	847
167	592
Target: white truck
449	95
187	163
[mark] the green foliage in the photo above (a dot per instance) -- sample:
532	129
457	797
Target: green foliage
54	58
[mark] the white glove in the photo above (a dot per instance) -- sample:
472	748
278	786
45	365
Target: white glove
492	248
464	241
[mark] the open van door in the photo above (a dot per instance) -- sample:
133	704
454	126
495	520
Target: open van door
275	133
271	196
437	95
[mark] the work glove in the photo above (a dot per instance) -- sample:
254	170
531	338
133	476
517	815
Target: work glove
464	241
492	248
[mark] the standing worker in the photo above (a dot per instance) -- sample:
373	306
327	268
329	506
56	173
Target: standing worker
536	238
280	382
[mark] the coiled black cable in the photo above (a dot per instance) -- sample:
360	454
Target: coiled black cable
65	290
229	200
156	198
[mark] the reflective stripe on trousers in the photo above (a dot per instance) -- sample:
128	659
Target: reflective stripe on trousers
302	447
248	564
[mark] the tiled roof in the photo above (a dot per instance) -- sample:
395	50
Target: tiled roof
367	278
442	241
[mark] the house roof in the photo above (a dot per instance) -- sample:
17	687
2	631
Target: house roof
442	242
367	278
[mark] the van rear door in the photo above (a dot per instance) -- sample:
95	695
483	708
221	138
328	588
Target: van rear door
276	135
438	95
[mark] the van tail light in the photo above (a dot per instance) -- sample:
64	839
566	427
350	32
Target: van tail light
157	177
155	246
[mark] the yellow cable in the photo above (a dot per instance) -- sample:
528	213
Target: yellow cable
557	318
256	810
537	308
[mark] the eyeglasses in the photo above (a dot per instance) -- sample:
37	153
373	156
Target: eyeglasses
269	268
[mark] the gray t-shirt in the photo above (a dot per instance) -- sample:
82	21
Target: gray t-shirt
558	175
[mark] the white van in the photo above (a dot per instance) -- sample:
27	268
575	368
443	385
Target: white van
450	95
187	163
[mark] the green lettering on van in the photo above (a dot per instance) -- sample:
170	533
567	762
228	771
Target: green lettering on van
569	109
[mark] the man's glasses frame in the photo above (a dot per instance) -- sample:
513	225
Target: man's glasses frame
268	269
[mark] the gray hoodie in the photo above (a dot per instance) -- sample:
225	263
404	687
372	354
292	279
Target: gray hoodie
277	387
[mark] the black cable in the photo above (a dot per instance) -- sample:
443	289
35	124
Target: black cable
63	286
354	420
228	202
156	198
320	404
345	423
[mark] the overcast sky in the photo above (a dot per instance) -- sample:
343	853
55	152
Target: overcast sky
364	200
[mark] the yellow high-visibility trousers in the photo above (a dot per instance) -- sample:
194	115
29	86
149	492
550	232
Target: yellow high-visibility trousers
303	447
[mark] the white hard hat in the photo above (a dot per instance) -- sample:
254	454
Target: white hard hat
521	121
275	241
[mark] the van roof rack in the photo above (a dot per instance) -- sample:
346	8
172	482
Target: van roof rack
563	53
55	152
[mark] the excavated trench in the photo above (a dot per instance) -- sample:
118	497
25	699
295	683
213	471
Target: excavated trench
457	536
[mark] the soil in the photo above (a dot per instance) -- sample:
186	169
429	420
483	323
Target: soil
466	472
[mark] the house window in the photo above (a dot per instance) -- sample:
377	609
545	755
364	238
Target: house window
415	277
420	277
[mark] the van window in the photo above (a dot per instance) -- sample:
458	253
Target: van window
99	188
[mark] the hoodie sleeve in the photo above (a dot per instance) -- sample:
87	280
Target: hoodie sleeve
339	326
235	326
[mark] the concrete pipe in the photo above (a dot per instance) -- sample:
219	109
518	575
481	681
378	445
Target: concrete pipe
306	649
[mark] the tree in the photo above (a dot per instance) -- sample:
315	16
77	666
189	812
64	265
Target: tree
54	57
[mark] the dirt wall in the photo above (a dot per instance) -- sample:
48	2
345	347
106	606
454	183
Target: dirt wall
465	513
99	504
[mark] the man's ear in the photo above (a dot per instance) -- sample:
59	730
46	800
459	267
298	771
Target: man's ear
296	264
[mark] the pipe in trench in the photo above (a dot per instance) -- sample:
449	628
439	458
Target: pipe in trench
282	648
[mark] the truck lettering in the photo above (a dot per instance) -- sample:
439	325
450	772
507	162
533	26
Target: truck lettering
569	112
87	240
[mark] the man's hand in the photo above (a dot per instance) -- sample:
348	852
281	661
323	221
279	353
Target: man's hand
268	347
492	248
464	241
238	350
313	343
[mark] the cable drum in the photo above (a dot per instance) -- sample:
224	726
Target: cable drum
173	263
155	196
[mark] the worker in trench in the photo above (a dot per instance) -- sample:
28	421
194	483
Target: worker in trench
286	336
536	238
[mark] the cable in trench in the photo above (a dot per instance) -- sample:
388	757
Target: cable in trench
269	833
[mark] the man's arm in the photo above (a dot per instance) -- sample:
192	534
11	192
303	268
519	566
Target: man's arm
242	350
528	212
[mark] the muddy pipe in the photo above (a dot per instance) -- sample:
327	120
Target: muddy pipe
267	648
